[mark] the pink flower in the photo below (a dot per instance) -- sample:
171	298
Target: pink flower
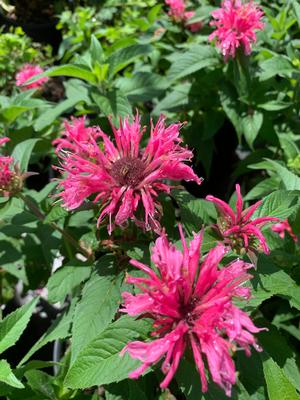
29	71
191	305
236	23
283	227
237	228
177	9
7	173
123	177
194	26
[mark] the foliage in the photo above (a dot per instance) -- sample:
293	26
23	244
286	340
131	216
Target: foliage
242	123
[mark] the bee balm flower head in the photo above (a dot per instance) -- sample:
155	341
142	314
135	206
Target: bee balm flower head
237	228
282	227
235	23
28	71
11	181
191	304
122	176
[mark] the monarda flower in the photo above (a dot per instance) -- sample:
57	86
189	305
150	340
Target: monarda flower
283	227
236	22
123	177
11	181
27	72
178	12
237	229
191	303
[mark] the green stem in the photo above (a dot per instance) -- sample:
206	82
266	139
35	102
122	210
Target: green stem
41	216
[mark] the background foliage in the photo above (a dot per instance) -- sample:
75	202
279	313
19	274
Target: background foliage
61	330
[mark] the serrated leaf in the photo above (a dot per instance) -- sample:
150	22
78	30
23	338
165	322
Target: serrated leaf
100	362
22	153
194	59
278	385
289	180
7	376
99	302
41	383
276	346
13	325
268	280
64	280
251	126
193	212
142	86
277	65
280	204
124	56
60	329
96	50
56	213
178	98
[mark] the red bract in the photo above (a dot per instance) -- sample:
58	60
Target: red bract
237	228
29	71
191	305
283	227
124	178
236	23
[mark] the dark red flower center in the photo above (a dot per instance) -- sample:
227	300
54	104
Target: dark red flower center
128	171
187	310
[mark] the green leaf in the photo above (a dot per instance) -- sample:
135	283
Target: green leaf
251	126
41	383
276	346
99	302
262	189
22	153
296	7
289	146
277	65
64	280
279	387
60	329
96	50
275	105
193	212
50	115
280	204
142	86
177	99
13	325
113	103
7	376
194	59
126	55
70	70
232	108
289	180
56	213
268	280
100	362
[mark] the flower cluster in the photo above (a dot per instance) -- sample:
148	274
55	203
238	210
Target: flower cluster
10	180
27	72
191	304
237	229
236	23
125	178
179	13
